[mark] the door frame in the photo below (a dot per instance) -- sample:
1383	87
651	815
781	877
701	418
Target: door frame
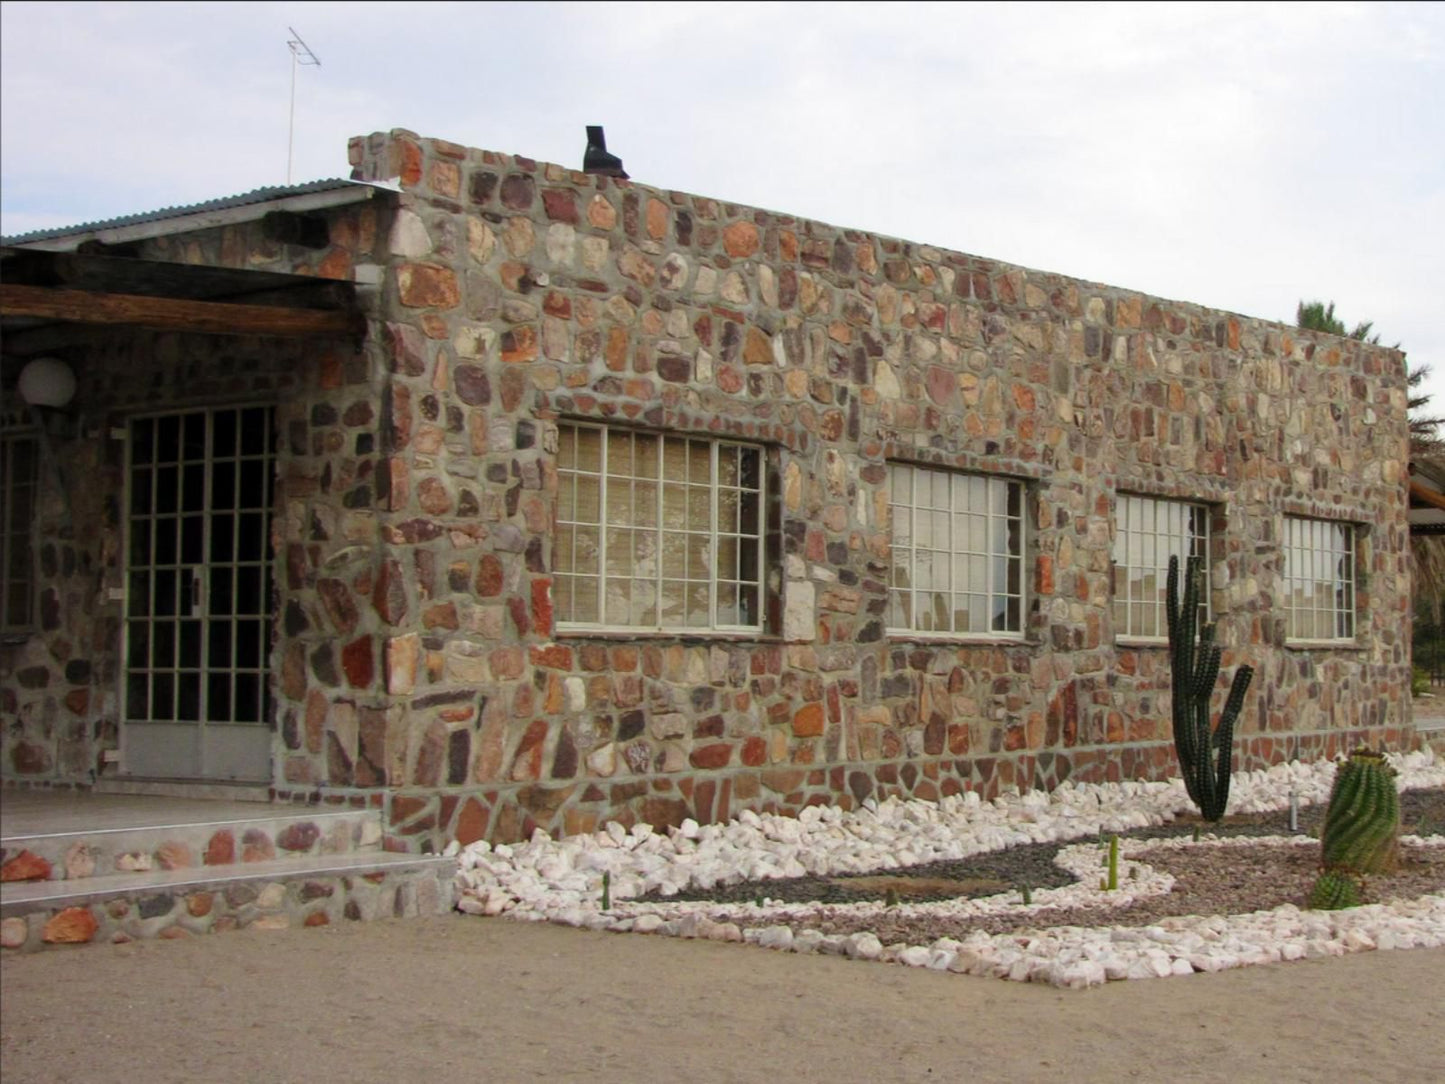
201	751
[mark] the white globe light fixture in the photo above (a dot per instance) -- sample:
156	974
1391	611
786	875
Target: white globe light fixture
47	382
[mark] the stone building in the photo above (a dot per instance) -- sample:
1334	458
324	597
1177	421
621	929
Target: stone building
503	496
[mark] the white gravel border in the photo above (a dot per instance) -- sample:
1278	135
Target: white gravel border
561	880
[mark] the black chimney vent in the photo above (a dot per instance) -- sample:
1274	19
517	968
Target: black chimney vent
597	160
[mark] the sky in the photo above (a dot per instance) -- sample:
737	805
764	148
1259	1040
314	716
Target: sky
1240	156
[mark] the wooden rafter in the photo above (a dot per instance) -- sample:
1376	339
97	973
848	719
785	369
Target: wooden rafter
175	314
1426	495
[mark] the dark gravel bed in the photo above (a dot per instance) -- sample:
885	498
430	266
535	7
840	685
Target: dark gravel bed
1422	812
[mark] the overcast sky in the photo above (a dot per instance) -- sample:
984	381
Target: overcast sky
1242	157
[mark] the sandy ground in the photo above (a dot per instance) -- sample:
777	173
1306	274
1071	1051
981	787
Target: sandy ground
481	1000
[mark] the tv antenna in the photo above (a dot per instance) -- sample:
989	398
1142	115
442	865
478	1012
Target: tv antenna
300	54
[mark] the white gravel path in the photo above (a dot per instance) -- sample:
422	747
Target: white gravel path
561	880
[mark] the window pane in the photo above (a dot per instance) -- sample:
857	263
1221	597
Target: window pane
956	553
1148	531
1319	575
671	531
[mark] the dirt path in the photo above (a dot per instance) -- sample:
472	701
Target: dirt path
483	1000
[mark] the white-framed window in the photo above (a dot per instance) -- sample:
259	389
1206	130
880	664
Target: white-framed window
1148	531
1319	579
19	472
658	532
958	546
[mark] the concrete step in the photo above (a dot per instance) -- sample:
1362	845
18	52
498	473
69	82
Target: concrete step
91	836
302	890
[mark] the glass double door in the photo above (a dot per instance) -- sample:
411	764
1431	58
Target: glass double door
198	624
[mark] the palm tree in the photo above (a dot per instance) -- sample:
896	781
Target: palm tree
1427	551
1424	439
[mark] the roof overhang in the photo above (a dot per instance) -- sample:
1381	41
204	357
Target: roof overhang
46	295
226	212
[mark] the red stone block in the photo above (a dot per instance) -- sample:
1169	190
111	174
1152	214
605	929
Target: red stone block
25	866
471	822
301	836
428	286
72	926
519	344
359	663
542	605
712	756
755	752
561	204
551	657
808	721
221	849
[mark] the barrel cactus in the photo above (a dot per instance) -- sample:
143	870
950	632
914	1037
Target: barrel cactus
1334	890
1362	823
1206	754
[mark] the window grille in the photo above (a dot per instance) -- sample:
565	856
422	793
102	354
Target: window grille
658	532
958	544
1148	532
1319	575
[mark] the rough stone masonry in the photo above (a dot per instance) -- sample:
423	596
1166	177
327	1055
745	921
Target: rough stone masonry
418	663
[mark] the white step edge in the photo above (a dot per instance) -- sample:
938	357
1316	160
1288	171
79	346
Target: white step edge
265	815
24	896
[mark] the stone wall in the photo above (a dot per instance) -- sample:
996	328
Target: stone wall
60	687
521	293
418	665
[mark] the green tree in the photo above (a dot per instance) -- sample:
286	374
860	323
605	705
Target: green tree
1427	551
1424	438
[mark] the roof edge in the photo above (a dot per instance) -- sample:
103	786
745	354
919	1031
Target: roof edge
246	207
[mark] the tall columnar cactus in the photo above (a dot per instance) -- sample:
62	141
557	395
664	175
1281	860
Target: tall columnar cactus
1205	754
1362	824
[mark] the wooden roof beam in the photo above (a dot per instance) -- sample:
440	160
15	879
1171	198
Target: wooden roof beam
174	314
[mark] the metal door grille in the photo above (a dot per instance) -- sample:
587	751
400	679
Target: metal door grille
198	604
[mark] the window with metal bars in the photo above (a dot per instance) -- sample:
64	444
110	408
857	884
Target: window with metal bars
658	532
958	546
1319	579
19	463
1148	531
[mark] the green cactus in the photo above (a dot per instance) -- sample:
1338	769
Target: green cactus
1113	863
1205	754
1334	890
606	890
1362	823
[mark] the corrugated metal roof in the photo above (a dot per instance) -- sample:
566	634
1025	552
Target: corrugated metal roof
259	195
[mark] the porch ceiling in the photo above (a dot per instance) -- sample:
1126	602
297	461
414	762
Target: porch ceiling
40	289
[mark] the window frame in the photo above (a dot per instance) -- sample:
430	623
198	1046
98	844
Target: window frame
1201	542
1007	502
1292	552
657	531
17	528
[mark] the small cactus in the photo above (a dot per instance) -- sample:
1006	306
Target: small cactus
1334	890
1362	823
1113	863
890	898
606	890
1027	893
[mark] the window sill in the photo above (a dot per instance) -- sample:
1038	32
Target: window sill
1324	645
1141	641
904	636
707	636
